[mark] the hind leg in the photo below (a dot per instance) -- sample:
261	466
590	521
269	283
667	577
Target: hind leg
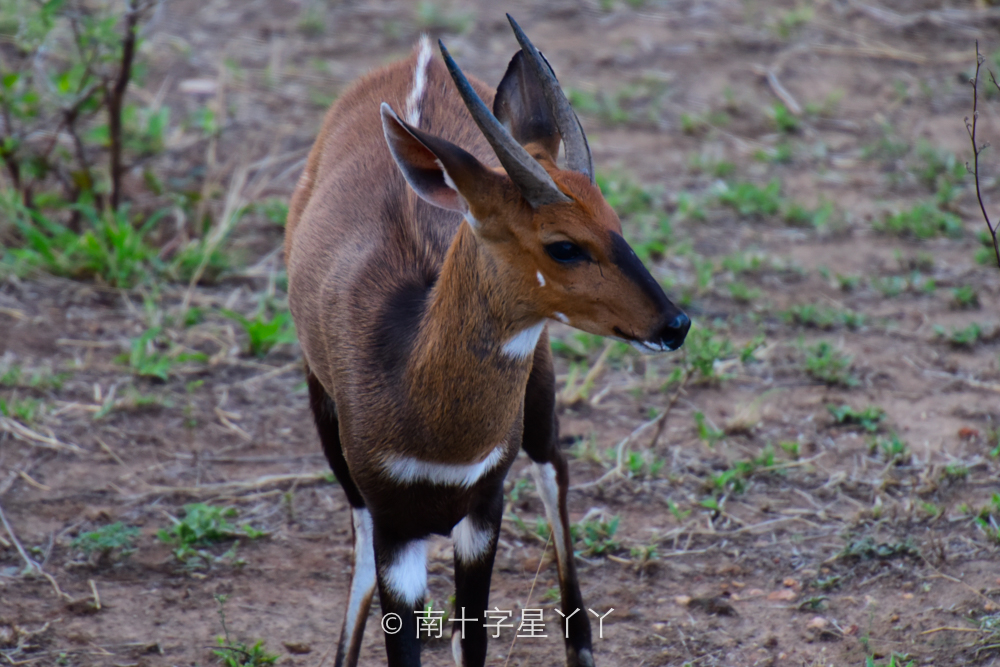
551	474
363	578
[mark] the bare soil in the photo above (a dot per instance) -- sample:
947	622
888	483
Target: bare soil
822	559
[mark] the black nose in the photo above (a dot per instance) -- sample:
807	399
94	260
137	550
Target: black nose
673	333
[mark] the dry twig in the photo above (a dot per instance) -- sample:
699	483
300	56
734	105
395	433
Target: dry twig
970	127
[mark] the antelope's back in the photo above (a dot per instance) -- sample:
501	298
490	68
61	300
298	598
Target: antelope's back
362	250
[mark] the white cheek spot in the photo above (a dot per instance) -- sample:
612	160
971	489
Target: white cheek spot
541	279
522	344
406	576
562	318
472	542
410	470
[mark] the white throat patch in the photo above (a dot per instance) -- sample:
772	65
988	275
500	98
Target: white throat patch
522	344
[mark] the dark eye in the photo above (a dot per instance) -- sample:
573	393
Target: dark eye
566	251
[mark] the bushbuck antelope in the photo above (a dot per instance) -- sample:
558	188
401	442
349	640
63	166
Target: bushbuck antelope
421	278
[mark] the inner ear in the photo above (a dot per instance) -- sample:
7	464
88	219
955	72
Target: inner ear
520	106
420	166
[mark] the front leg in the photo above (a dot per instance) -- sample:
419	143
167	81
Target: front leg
475	539
402	583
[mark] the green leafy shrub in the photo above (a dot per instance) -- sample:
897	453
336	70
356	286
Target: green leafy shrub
107	543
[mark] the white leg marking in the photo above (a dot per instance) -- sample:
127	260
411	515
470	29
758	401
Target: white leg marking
472	542
363	580
541	278
562	318
406	577
522	345
407	469
456	647
419	82
548	489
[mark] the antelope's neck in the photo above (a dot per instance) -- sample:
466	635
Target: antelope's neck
472	355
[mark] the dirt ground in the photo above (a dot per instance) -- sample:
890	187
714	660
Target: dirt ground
834	548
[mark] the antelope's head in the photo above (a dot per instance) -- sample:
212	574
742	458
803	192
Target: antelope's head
550	230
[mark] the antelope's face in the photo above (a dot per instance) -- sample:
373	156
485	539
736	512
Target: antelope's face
551	231
579	270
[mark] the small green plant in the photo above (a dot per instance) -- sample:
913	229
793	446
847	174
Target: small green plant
202	526
988	518
703	354
939	171
828	583
923	221
24	410
750	200
678	513
706	432
819	317
893	448
792	448
644	465
962	338
264	332
190	257
598	536
827	364
895	660
784	120
107	544
955	472
312	22
848	283
965	297
797	215
239	654
781	153
151	354
870	419
742	293
866	548
42	378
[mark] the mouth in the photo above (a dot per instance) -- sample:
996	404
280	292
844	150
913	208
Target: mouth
652	348
646	346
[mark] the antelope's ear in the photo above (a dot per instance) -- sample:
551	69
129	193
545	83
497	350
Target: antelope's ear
439	171
521	107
